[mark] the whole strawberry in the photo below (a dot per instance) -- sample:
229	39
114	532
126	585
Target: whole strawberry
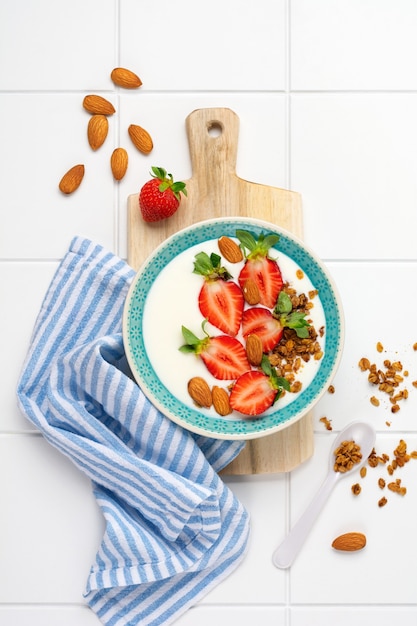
160	197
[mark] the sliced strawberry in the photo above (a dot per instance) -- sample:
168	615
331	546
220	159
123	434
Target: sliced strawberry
256	391
260	321
224	356
259	267
220	300
252	393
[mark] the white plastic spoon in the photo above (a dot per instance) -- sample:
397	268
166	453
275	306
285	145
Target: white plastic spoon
363	435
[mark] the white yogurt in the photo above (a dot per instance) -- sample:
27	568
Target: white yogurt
172	302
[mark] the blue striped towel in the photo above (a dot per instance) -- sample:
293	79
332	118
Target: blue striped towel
174	530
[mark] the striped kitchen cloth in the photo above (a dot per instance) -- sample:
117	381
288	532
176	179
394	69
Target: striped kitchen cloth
173	529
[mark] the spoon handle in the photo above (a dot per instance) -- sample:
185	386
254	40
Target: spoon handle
286	552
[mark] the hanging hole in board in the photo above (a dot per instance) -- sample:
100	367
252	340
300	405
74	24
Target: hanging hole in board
214	129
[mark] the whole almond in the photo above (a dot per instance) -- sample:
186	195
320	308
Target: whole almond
221	401
251	292
349	542
118	163
141	139
125	78
98	104
230	250
254	350
71	180
200	391
97	130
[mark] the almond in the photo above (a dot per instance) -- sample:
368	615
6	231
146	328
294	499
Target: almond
200	391
98	104
349	542
141	139
251	292
254	350
125	78
221	401
230	250
97	130
71	180
118	162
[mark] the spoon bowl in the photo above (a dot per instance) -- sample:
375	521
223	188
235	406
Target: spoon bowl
364	436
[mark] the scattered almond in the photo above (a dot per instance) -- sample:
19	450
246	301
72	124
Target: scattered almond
97	130
254	350
141	139
125	78
221	401
98	104
349	542
230	250
200	391
118	163
251	292
71	180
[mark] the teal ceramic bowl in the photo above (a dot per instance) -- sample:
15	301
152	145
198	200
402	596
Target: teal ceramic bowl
163	296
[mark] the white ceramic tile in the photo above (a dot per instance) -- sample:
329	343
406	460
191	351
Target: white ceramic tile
368	320
34	615
224	616
48	137
353	160
362	577
256	581
22	289
353	44
221	45
50	525
261	149
347	615
55	45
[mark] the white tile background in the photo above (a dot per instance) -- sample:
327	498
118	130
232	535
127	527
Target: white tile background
326	93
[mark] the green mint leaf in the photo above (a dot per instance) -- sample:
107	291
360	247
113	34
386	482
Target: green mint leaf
190	338
246	239
284	304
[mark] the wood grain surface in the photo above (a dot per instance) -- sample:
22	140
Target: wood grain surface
215	190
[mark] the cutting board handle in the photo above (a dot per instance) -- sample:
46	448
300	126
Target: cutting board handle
213	138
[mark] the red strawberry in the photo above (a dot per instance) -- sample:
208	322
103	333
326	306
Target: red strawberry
160	197
220	300
260	267
260	321
255	391
224	356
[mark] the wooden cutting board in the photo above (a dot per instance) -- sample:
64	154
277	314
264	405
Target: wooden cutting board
214	190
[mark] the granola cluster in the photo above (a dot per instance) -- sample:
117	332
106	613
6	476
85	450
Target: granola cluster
347	455
293	351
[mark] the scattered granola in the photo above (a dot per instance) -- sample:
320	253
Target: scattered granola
401	457
388	378
356	489
397	488
326	422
